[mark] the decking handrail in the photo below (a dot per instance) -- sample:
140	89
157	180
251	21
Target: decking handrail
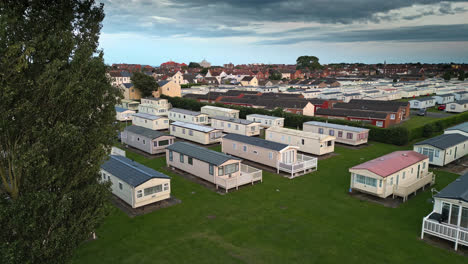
407	189
445	230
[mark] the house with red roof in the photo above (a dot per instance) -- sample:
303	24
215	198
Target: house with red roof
399	173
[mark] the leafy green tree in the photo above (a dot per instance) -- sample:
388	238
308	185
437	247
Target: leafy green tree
275	75
308	62
57	110
447	76
194	65
204	71
146	84
461	75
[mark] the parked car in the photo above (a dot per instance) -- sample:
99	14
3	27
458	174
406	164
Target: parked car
441	108
422	112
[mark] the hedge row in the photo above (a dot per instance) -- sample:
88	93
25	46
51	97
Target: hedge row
437	126
394	135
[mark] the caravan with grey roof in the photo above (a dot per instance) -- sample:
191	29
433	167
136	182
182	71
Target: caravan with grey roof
218	168
443	149
273	154
236	125
197	133
348	135
187	116
145	139
135	184
153	122
266	120
449	217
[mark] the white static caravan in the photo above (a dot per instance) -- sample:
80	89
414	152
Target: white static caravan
216	167
458	129
463	95
135	184
145	139
449	217
422	103
177	114
220	111
307	142
443	149
457	106
153	122
444	98
197	133
277	155
236	125
122	114
266	120
343	134
152	109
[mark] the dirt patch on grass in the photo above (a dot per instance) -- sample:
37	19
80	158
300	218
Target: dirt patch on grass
445	244
132	212
459	166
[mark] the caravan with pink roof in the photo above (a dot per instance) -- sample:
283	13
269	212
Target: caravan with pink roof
399	173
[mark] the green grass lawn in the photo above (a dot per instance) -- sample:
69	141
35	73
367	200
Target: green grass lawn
417	121
310	219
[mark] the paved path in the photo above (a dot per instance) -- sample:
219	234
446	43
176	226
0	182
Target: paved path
440	114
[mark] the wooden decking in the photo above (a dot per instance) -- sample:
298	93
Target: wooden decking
405	190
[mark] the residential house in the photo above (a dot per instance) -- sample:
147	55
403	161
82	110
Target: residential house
308	142
458	129
266	120
178	114
152	122
344	134
249	81
220	111
379	119
197	133
135	184
443	149
444	98
457	106
218	168
119	77
123	114
145	139
449	217
277	155
422	103
399	173
177	78
130	92
169	88
236	125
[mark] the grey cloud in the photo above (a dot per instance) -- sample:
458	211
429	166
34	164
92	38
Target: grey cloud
431	33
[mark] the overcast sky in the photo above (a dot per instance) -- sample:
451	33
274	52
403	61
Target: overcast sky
278	31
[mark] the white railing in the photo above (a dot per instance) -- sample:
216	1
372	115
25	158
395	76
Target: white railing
248	175
302	165
407	189
445	231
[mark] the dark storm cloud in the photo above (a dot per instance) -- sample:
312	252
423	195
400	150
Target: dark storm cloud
245	18
322	11
430	33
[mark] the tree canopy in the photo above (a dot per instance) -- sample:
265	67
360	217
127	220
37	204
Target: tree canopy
194	65
275	75
146	84
308	62
56	128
